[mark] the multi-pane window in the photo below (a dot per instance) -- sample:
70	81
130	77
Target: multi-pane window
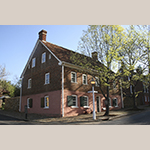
33	62
84	101
45	102
29	103
72	101
84	78
29	83
43	57
73	77
47	78
115	102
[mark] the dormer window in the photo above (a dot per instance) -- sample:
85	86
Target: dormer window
43	57
33	62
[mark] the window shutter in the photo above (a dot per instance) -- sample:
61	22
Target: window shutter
30	103
81	101
42	102
69	101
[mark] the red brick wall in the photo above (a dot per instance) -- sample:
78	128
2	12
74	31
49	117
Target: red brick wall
37	74
54	103
79	86
69	111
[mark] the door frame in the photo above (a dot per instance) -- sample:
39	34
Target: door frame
99	99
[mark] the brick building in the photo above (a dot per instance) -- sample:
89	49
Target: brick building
52	84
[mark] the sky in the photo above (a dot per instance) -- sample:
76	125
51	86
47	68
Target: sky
18	41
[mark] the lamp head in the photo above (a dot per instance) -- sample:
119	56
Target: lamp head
93	81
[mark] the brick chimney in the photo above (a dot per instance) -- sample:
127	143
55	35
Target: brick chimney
42	35
94	55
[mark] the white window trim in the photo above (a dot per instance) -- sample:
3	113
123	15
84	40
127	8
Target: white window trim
76	102
83	79
117	101
46	107
33	62
28	103
29	83
87	102
43	61
48	79
75	77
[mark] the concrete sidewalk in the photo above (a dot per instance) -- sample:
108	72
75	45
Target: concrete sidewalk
75	120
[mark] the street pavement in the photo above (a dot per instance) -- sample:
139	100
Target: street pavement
119	117
142	118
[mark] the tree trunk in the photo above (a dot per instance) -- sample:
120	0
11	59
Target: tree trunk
133	96
149	94
107	101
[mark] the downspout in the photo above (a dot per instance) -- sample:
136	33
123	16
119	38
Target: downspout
20	95
62	90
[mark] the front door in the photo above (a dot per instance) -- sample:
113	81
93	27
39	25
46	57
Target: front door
98	104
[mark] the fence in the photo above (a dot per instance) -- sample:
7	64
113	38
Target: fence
12	104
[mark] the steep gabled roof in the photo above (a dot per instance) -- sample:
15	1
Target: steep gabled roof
65	55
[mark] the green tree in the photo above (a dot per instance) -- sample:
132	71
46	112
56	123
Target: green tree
6	85
106	41
133	56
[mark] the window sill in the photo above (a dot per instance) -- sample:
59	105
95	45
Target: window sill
86	107
46	107
46	84
74	82
74	107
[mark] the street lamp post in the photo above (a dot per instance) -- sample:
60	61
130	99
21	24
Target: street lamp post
93	83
